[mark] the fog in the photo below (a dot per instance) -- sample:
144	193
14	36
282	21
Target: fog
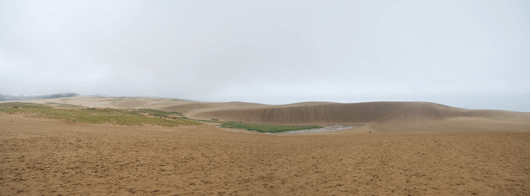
469	54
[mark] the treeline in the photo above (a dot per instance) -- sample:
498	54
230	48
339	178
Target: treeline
21	97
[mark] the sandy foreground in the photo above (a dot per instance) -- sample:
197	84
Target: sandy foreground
41	156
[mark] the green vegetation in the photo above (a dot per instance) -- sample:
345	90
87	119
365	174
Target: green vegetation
214	120
98	116
266	127
158	113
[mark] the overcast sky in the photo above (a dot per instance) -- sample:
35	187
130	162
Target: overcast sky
470	54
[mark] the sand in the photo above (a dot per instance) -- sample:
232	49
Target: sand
112	102
420	149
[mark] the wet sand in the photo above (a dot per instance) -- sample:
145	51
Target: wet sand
40	156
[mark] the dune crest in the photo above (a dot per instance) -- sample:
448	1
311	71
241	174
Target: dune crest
382	116
369	112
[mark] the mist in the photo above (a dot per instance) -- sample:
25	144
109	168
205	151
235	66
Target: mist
469	54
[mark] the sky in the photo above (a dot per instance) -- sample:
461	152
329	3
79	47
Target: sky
469	54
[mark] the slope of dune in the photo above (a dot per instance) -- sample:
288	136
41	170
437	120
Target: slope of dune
130	104
357	113
193	108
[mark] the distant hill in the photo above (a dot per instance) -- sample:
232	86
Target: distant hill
5	97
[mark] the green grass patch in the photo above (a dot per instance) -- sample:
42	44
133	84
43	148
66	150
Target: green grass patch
158	113
263	128
97	116
214	120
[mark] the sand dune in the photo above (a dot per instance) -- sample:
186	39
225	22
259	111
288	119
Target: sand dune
375	114
193	108
417	148
41	156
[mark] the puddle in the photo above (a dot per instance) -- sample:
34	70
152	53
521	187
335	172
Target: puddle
317	130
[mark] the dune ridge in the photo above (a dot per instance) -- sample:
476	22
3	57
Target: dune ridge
373	116
351	113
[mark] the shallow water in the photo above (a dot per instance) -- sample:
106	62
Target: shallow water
318	130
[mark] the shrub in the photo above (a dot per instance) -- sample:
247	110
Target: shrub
96	116
271	128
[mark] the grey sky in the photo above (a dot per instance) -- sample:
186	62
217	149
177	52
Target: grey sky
471	54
